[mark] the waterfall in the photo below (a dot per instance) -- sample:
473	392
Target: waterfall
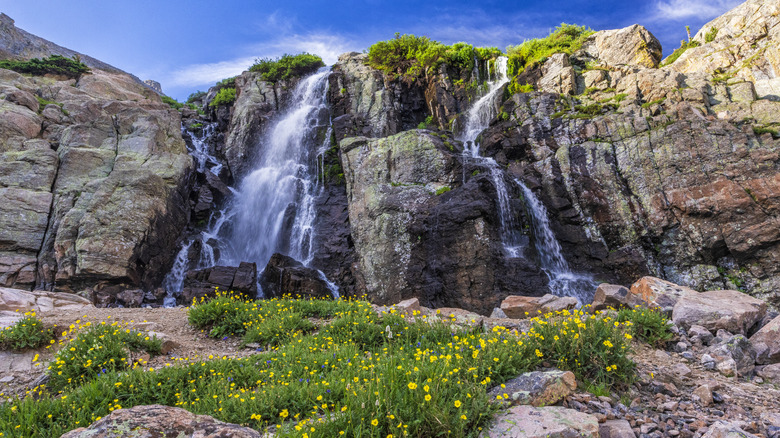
563	281
477	120
273	208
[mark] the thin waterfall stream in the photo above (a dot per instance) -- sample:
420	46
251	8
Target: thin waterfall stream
273	208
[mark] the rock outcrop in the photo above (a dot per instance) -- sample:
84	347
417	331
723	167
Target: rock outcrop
93	180
240	280
286	276
420	232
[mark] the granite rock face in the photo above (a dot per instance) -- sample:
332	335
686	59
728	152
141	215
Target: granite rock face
93	187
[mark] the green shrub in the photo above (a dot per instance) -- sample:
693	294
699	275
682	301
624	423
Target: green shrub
443	190
198	95
684	45
566	38
648	325
426	124
55	64
711	35
412	57
28	332
97	349
173	103
651	103
225	96
760	130
287	66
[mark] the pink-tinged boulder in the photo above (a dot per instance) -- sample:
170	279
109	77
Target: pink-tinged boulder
654	292
721	309
519	307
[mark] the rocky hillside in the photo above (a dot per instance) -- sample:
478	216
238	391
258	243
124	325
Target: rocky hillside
94	176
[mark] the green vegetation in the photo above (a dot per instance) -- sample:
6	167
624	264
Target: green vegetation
175	104
226	83
443	190
647	325
723	77
760	130
96	350
412	57
711	35
426	124
198	95
287	67
43	102
332	367
225	96
55	64
679	51
28	332
515	88
651	103
566	38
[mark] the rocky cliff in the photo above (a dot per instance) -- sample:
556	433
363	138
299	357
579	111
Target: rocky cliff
94	176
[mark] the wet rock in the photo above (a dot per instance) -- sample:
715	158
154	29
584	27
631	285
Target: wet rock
238	279
767	342
286	276
725	309
552	421
537	388
157	420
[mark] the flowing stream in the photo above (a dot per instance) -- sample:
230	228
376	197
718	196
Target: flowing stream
273	208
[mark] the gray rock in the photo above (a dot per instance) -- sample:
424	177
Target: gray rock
498	313
611	295
546	422
734	356
537	388
164	421
700	333
616	429
723	429
662	294
633	45
704	393
726	309
558	75
769	372
767	342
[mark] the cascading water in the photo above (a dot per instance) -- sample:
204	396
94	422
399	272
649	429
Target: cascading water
563	281
273	209
477	120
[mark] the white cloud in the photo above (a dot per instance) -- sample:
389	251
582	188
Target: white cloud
329	47
674	10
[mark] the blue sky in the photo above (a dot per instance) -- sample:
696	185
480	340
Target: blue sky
190	45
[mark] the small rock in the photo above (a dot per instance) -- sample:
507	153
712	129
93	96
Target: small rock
701	333
705	395
7	379
409	307
722	429
537	388
767	342
498	313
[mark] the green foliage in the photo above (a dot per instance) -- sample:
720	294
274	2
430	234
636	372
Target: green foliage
653	102
412	57
173	103
648	325
95	350
43	102
287	66
367	374
198	95
711	35
566	38
225	96
760	130
28	332
427	124
722	77
684	45
442	190
55	64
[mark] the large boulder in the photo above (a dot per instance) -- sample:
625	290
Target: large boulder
558	75
767	342
726	429
241	279
519	307
19	301
715	310
157	420
662	294
545	422
632	46
283	275
537	388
